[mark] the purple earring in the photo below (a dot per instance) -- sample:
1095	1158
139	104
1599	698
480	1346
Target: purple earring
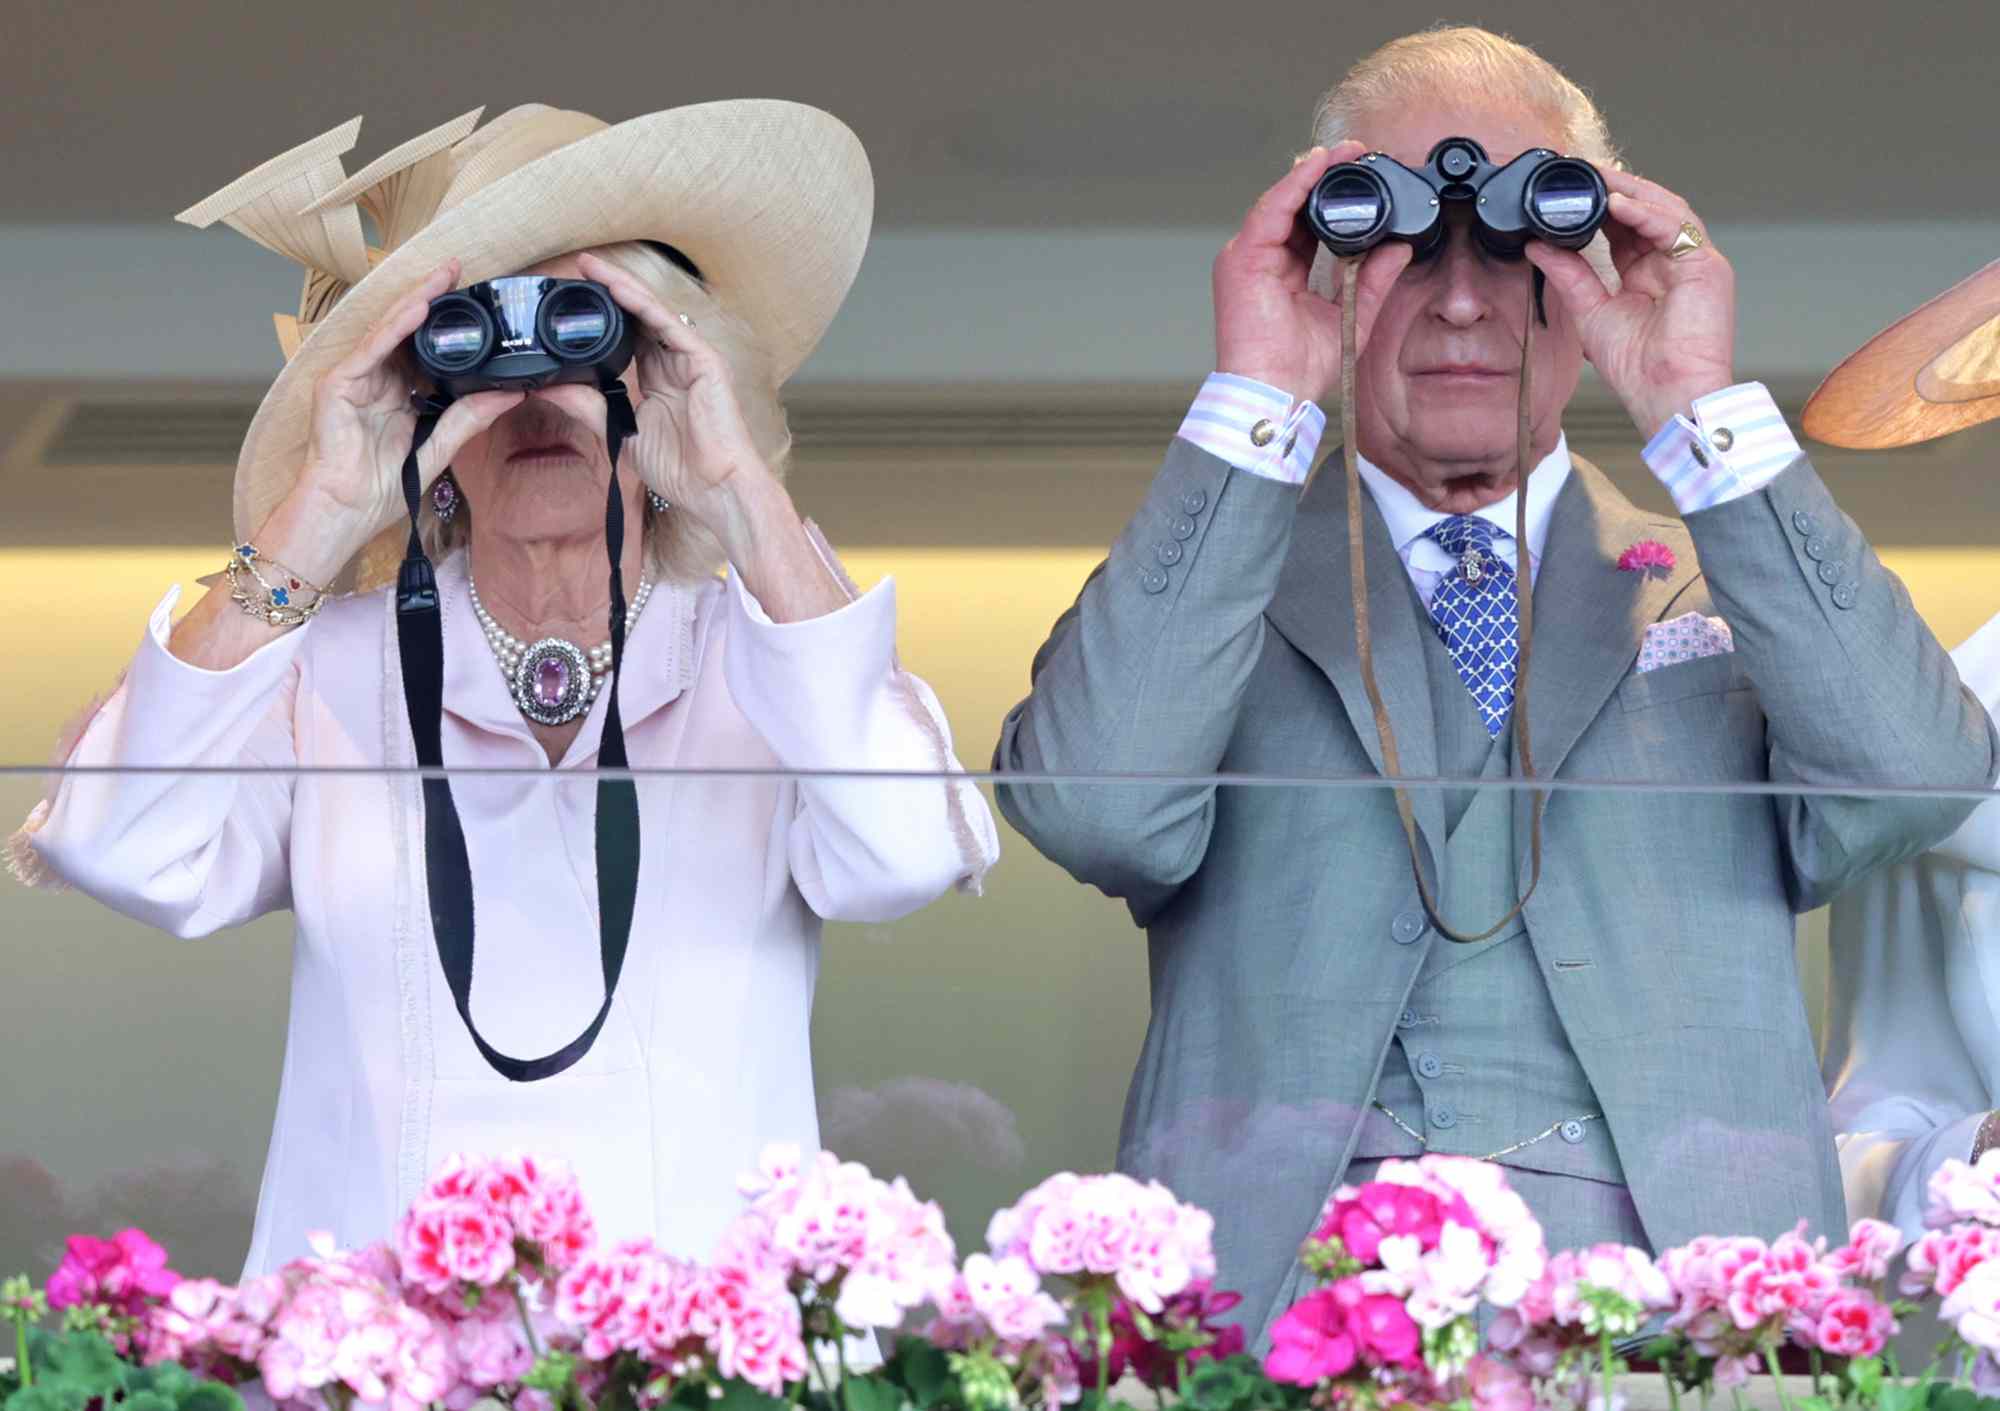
445	498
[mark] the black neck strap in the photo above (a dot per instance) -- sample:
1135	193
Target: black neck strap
420	644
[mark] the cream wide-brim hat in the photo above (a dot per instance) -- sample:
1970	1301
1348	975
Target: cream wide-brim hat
1930	373
771	200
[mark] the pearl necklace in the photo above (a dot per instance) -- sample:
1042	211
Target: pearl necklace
552	681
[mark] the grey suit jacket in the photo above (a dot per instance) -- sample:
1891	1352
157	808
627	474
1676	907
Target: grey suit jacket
1663	924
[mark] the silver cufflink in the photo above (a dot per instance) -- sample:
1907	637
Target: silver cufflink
1722	438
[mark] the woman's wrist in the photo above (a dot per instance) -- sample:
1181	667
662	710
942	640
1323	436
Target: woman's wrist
313	535
771	552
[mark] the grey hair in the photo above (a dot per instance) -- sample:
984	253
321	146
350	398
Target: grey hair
1451	61
678	550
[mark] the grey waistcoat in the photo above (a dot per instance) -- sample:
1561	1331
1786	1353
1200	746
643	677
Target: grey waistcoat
1480	1061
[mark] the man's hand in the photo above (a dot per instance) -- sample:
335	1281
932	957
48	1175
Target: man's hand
1669	335
1268	325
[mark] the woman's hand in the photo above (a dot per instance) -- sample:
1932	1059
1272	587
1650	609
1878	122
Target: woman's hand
362	424
693	446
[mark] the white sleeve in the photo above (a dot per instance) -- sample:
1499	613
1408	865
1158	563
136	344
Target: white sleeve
189	852
827	694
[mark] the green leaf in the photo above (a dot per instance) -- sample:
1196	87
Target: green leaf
923	1372
170	1379
39	1397
1895	1396
739	1395
147	1401
211	1396
869	1392
1945	1396
1811	1403
86	1359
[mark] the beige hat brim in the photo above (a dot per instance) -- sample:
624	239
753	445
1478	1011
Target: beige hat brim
1927	375
771	200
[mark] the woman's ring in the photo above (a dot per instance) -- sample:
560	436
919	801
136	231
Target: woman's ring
686	322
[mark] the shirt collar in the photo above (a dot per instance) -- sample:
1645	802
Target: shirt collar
1408	519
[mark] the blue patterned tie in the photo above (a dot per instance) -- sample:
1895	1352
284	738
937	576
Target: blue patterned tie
1473	610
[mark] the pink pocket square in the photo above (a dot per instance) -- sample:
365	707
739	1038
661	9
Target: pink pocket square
1688	637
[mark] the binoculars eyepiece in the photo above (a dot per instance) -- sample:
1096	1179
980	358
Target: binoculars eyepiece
1540	195
521	332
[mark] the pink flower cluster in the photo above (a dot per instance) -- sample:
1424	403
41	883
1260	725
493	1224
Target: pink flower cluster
1332	1331
477	1218
736	1310
1736	1296
127	1274
872	1243
1582	1295
1137	1235
1412	1254
1959	1256
1443	1233
329	1320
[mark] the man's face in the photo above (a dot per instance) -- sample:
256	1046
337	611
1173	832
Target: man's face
1439	381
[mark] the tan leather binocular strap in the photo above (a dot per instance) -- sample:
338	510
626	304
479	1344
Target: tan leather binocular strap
1524	610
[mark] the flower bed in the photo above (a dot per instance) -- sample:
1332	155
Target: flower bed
495	1289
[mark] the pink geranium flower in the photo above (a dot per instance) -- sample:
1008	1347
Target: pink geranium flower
121	1272
1959	1191
1495	1386
1137	1235
455	1240
1872	1245
1853	1324
1941	1259
1311	1341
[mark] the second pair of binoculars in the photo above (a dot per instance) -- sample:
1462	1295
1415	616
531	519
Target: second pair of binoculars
1540	195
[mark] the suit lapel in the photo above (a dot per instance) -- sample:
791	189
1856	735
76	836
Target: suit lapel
1590	617
1312	610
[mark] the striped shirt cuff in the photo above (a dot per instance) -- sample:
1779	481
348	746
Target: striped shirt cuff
1736	444
1255	427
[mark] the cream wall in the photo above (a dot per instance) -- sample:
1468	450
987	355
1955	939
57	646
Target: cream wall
971	619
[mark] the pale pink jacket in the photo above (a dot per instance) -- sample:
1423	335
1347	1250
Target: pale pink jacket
706	1055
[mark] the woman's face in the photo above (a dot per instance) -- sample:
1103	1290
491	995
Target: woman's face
539	472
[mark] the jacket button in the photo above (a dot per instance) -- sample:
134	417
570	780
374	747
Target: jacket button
1843	596
1182	527
1804	523
1153	580
1816	548
1194	501
1571	1131
1429	1065
1829	573
1443	1117
1407	1019
1168	551
1407	926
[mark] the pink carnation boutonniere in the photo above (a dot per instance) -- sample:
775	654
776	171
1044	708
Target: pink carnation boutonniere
1646	556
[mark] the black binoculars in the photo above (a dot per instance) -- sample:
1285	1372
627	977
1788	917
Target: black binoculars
1540	195
521	332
